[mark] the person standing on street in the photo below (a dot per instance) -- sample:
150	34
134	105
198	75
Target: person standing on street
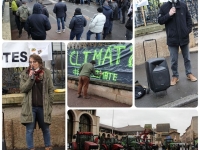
77	24
129	24
178	25
114	6
108	12
84	78
96	24
37	24
44	9
37	85
123	9
15	4
23	12
60	9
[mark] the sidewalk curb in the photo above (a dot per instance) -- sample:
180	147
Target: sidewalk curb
182	101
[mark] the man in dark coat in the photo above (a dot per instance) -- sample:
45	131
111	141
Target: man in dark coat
60	9
44	9
108	12
77	24
178	24
123	9
114	6
37	24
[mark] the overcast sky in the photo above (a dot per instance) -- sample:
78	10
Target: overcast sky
178	119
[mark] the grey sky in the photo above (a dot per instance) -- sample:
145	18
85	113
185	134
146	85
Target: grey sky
178	119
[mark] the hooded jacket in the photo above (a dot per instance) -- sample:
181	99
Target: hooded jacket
26	85
97	23
37	24
178	26
77	23
14	6
108	12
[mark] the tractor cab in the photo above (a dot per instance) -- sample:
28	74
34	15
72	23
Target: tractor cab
84	141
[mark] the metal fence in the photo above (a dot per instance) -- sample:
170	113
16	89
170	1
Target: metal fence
151	13
11	79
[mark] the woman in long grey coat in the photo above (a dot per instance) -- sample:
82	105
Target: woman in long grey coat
36	83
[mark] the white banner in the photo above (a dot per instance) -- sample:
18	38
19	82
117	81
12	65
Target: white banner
140	3
17	54
162	1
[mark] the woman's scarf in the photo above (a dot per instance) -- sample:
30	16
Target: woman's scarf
39	75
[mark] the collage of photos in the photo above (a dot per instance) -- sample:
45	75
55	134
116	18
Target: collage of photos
68	91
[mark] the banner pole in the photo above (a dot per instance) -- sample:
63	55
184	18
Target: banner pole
143	16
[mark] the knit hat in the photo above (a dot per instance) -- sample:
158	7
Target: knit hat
78	11
100	9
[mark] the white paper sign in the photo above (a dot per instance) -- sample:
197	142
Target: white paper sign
16	54
140	3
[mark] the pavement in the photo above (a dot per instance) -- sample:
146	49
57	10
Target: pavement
94	101
183	94
87	11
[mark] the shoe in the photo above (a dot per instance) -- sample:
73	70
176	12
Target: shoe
79	96
58	31
87	97
110	32
191	77
48	148
63	30
174	81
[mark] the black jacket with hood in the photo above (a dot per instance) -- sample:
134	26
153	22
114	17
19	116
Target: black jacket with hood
37	24
178	26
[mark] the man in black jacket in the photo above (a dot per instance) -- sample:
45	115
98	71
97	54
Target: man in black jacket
176	17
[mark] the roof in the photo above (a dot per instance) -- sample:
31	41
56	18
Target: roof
129	128
163	127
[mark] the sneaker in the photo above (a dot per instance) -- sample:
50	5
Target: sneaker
86	97
58	31
79	96
191	77
63	30
174	81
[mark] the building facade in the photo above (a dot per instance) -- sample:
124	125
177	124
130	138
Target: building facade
82	120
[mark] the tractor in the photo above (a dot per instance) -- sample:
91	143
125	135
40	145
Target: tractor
110	144
84	141
130	143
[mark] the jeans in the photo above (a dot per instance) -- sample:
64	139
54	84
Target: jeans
174	59
89	33
62	22
73	34
81	1
17	21
37	113
119	13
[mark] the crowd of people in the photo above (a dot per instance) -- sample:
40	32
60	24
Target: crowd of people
36	22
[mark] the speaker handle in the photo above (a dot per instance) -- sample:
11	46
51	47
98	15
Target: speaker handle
144	47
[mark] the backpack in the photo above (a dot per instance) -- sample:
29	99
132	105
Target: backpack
140	91
129	24
24	14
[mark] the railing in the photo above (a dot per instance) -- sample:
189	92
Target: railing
152	10
11	79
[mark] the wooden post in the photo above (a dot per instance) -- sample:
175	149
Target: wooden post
143	16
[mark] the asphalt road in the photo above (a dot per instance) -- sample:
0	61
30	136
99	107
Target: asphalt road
118	32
